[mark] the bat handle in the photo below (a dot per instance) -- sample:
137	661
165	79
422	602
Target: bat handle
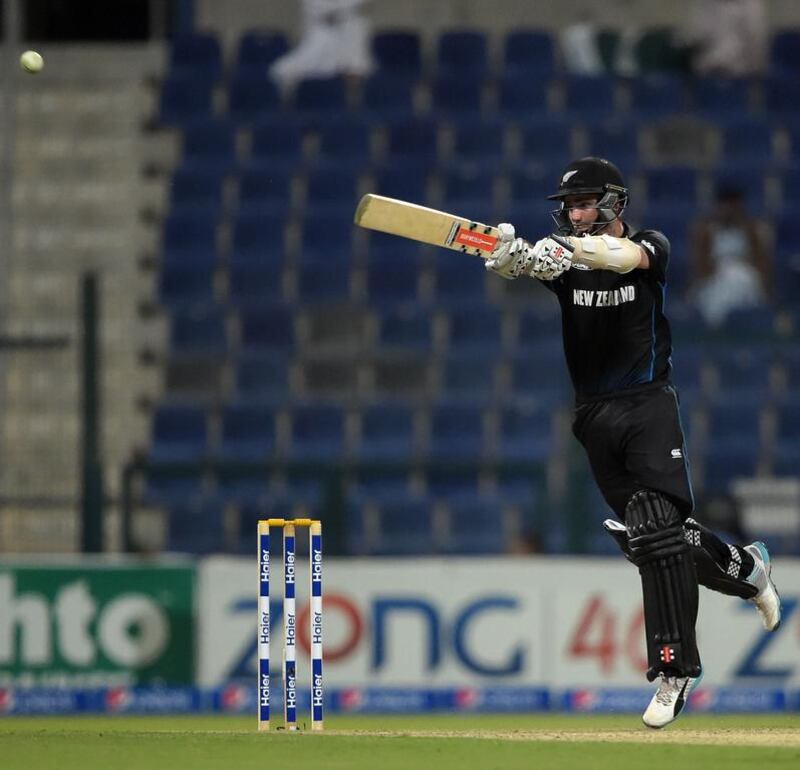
562	242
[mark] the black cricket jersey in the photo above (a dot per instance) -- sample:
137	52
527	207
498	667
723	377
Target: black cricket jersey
616	336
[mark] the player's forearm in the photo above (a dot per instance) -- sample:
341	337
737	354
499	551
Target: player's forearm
604	252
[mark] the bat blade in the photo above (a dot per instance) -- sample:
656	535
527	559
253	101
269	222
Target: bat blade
419	223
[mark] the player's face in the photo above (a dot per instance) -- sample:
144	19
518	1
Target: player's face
582	211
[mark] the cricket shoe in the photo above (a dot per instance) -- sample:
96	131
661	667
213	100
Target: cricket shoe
767	601
669	700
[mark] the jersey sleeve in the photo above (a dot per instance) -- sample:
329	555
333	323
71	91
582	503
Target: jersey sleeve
657	247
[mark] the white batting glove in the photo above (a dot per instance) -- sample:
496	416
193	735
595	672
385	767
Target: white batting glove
512	257
550	259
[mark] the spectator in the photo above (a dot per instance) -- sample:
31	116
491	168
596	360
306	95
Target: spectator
730	263
335	41
727	38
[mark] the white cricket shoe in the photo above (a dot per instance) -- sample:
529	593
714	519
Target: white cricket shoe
669	700
767	601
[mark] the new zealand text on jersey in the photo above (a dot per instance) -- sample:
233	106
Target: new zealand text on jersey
596	298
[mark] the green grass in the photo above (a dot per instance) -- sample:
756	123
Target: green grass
202	743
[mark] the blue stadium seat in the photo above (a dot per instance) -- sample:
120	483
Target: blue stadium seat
259	48
405	329
672	183
198	332
406	527
462	53
467	376
267	330
782	97
753	326
329	189
539	331
387	433
688	367
381	482
529	52
476	526
184	285
210	143
532	218
786	449
318	281
748	142
393	283
183	99
412	142
278	142
167	484
387	250
481	144
521	96
328	236
344	143
790	368
455	95
721	99
243	485
457	282
317	433
726	462
197	528
258	236
197	55
468	182
475	328
456	432
540	376
589	98
616	140
261	378
321	96
784	55
190	235
548	143
445	483
265	192
525	434
388	95
411	184
252	95
196	187
747	369
248	433
734	421
251	283
397	51
179	434
658	97
533	185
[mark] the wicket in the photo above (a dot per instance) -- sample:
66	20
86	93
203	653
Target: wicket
290	621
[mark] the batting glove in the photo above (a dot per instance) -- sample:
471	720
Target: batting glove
512	257
550	259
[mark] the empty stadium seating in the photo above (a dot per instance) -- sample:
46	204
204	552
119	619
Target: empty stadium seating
438	393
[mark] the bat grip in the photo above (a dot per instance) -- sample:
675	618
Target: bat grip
562	242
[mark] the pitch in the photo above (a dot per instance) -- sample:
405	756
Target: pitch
469	742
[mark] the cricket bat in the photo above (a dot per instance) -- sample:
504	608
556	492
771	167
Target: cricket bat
419	223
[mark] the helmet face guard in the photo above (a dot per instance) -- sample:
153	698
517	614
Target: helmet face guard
610	205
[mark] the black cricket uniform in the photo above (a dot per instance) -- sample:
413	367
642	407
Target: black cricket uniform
618	346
